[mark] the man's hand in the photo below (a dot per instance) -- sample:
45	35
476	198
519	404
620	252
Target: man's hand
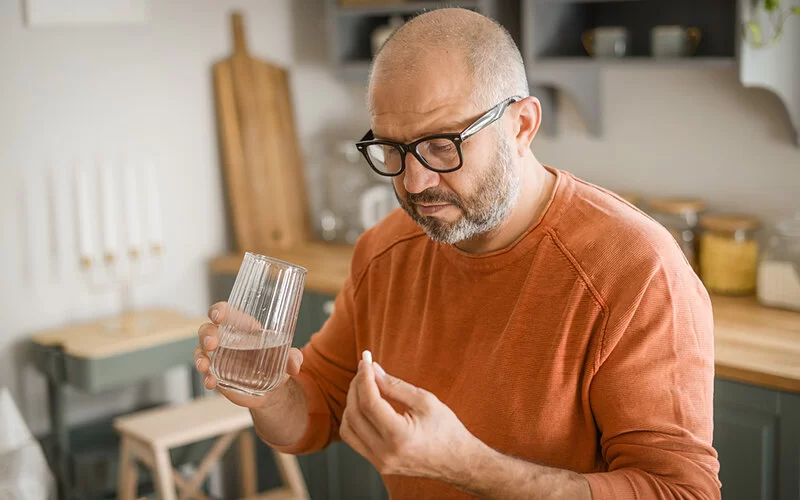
208	337
414	435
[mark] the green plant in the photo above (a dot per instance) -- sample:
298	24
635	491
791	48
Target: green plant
766	28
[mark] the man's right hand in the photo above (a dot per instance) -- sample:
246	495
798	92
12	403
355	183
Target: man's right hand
209	340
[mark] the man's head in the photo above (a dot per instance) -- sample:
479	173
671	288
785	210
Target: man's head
437	74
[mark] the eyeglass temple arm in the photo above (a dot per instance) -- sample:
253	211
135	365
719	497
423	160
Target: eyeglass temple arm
490	116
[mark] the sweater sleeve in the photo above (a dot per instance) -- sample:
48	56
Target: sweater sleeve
652	395
330	362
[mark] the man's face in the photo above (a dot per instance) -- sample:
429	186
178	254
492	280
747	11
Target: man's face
491	194
459	205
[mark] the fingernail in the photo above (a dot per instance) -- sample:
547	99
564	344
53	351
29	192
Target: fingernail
197	363
360	365
206	342
378	369
214	314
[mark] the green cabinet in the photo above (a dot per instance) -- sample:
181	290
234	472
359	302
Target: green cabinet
757	436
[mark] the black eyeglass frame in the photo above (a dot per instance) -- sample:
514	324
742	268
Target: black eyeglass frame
481	123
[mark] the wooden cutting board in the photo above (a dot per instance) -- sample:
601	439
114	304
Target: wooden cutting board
261	156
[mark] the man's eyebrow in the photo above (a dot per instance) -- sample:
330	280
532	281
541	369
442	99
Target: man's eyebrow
452	127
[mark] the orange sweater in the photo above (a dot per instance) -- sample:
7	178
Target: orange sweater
586	345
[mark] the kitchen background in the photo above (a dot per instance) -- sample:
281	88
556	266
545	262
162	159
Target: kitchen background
145	90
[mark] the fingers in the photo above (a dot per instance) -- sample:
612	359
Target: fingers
235	318
400	390
218	312
350	437
201	361
294	362
207	336
203	365
355	428
209	381
375	409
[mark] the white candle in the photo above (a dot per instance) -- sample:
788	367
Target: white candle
110	240
85	214
132	210
153	207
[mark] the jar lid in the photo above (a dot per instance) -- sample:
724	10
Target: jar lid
677	206
729	223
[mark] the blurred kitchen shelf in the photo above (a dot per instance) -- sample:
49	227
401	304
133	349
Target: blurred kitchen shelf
549	35
350	28
548	63
402	8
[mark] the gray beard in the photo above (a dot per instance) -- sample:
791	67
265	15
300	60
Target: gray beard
496	195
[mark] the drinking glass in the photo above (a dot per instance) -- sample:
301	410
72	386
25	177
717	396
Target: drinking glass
255	337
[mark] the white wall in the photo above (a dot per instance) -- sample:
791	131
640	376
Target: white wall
139	89
671	131
147	88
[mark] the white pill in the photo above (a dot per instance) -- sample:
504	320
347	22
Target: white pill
367	356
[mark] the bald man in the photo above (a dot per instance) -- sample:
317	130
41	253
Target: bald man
534	336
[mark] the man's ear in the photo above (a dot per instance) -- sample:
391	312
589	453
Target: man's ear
529	118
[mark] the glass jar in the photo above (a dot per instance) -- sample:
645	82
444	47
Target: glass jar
680	217
729	253
779	268
346	177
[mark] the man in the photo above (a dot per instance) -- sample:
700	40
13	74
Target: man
534	335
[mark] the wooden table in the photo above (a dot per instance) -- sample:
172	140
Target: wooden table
104	354
754	344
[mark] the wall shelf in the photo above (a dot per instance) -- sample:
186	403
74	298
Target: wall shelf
549	34
351	27
405	8
548	63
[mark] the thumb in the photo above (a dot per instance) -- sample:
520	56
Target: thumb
294	361
399	390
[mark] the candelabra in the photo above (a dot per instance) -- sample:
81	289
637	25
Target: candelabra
119	264
122	273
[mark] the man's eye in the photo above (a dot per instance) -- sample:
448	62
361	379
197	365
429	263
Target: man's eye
442	148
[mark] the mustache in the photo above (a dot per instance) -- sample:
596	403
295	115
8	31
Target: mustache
433	196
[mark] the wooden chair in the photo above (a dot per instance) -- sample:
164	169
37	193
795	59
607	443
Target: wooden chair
147	437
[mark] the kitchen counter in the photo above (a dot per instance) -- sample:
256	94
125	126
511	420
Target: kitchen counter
754	344
327	264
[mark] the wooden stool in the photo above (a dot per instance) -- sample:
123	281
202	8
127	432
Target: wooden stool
147	436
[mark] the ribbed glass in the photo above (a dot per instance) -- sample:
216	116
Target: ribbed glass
255	337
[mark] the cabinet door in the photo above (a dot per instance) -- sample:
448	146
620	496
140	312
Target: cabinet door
746	423
790	447
315	308
353	477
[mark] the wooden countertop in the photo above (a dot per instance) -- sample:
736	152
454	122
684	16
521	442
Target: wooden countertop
756	344
753	344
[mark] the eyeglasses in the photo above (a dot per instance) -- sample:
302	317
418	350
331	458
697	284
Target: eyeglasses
440	153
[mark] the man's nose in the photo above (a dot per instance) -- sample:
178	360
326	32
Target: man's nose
418	178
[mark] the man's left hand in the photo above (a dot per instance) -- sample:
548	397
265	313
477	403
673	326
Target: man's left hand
414	435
